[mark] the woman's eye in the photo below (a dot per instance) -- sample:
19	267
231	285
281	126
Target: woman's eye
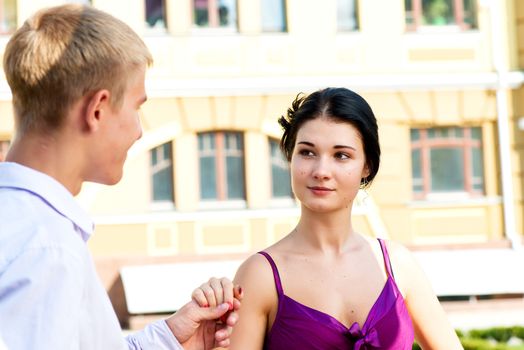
305	152
342	156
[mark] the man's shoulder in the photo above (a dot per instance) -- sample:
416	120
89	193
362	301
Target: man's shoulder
20	207
27	224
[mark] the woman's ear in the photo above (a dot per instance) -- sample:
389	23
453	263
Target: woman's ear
365	172
97	106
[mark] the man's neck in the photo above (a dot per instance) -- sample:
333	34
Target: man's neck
50	156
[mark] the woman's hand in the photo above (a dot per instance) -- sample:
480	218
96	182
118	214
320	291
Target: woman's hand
206	322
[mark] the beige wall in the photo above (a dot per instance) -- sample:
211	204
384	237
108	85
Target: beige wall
196	85
316	49
519	30
312	45
6	119
409	221
517	156
518	132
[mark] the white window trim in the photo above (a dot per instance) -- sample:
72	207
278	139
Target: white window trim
225	204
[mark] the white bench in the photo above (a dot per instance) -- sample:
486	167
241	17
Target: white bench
164	288
474	272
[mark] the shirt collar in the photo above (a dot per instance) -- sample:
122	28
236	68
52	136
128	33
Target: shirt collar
53	193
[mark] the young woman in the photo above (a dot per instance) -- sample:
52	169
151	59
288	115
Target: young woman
324	285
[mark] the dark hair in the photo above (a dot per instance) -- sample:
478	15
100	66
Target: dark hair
342	105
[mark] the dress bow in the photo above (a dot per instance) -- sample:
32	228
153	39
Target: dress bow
365	341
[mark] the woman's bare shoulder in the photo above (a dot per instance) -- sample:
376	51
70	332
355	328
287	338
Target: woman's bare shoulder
255	276
258	267
399	253
406	267
255	263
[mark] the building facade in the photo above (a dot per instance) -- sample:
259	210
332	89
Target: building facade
207	180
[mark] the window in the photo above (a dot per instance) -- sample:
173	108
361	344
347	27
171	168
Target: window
280	180
446	160
273	16
221	157
347	18
162	173
215	13
8	16
459	13
4	145
83	2
156	14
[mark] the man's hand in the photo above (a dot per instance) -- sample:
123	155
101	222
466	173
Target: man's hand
208	320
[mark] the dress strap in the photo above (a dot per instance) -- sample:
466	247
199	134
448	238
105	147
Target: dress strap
385	254
276	275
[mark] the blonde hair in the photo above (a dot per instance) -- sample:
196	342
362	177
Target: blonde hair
63	53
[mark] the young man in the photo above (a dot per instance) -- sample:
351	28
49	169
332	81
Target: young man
77	79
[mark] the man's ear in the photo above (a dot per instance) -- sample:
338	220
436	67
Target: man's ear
97	106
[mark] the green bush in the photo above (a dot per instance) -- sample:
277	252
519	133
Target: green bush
488	339
500	334
481	344
518	332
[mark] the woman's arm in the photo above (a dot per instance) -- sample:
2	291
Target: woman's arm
432	328
260	296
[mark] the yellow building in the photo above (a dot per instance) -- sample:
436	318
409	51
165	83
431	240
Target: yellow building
206	181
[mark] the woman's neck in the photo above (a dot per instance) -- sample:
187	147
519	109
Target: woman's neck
325	232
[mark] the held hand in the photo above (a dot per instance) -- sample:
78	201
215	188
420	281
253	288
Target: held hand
201	327
196	327
218	291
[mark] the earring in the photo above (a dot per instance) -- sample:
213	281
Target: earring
363	193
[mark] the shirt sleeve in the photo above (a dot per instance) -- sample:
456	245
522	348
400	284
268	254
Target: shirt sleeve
156	336
40	295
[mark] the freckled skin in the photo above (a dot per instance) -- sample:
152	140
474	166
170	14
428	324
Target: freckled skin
337	163
324	263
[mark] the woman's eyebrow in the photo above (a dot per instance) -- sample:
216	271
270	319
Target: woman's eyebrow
344	146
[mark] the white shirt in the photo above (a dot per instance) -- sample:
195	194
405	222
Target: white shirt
50	295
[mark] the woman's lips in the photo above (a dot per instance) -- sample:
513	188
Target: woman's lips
318	190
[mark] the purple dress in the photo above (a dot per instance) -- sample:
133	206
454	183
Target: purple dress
297	326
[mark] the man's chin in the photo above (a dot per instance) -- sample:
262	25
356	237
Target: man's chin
109	179
114	179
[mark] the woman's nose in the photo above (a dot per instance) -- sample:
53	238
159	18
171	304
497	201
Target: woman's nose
321	170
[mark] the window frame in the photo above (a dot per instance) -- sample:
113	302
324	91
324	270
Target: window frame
214	19
284	18
161	165
154	29
466	143
273	161
82	2
4	24
219	152
357	19
417	14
